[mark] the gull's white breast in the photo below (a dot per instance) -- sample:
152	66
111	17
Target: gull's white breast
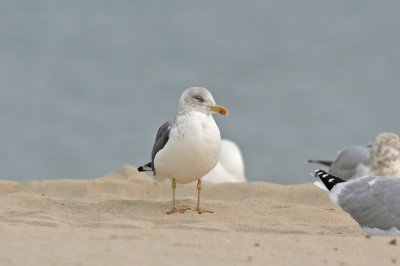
192	149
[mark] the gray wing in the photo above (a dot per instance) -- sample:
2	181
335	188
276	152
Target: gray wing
346	163
322	162
161	139
374	202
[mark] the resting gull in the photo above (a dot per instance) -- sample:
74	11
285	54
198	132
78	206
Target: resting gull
382	158
230	166
187	147
373	201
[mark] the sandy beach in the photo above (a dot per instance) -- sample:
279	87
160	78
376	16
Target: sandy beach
120	219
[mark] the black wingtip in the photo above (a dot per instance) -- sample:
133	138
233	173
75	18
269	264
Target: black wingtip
145	168
329	180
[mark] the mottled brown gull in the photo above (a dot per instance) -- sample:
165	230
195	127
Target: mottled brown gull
382	158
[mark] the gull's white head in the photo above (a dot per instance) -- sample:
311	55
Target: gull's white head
199	99
385	155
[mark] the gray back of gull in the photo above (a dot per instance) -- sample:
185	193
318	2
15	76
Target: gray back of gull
347	162
372	201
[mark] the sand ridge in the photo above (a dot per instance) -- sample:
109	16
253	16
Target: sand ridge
127	208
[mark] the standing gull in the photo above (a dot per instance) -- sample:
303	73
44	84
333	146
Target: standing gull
187	147
373	201
382	158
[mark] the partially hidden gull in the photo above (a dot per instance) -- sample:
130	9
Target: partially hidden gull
230	166
382	158
187	147
372	201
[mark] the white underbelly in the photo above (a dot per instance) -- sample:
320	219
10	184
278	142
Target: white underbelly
190	153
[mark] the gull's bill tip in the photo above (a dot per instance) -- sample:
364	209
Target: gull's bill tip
219	109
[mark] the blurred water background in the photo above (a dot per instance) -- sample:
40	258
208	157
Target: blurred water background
84	85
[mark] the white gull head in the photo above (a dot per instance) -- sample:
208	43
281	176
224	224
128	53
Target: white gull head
199	99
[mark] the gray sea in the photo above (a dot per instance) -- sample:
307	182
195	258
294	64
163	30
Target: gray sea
84	85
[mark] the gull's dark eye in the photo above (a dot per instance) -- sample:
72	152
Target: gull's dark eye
199	99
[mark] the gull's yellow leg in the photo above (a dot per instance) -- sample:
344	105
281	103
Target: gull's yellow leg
198	209
174	208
